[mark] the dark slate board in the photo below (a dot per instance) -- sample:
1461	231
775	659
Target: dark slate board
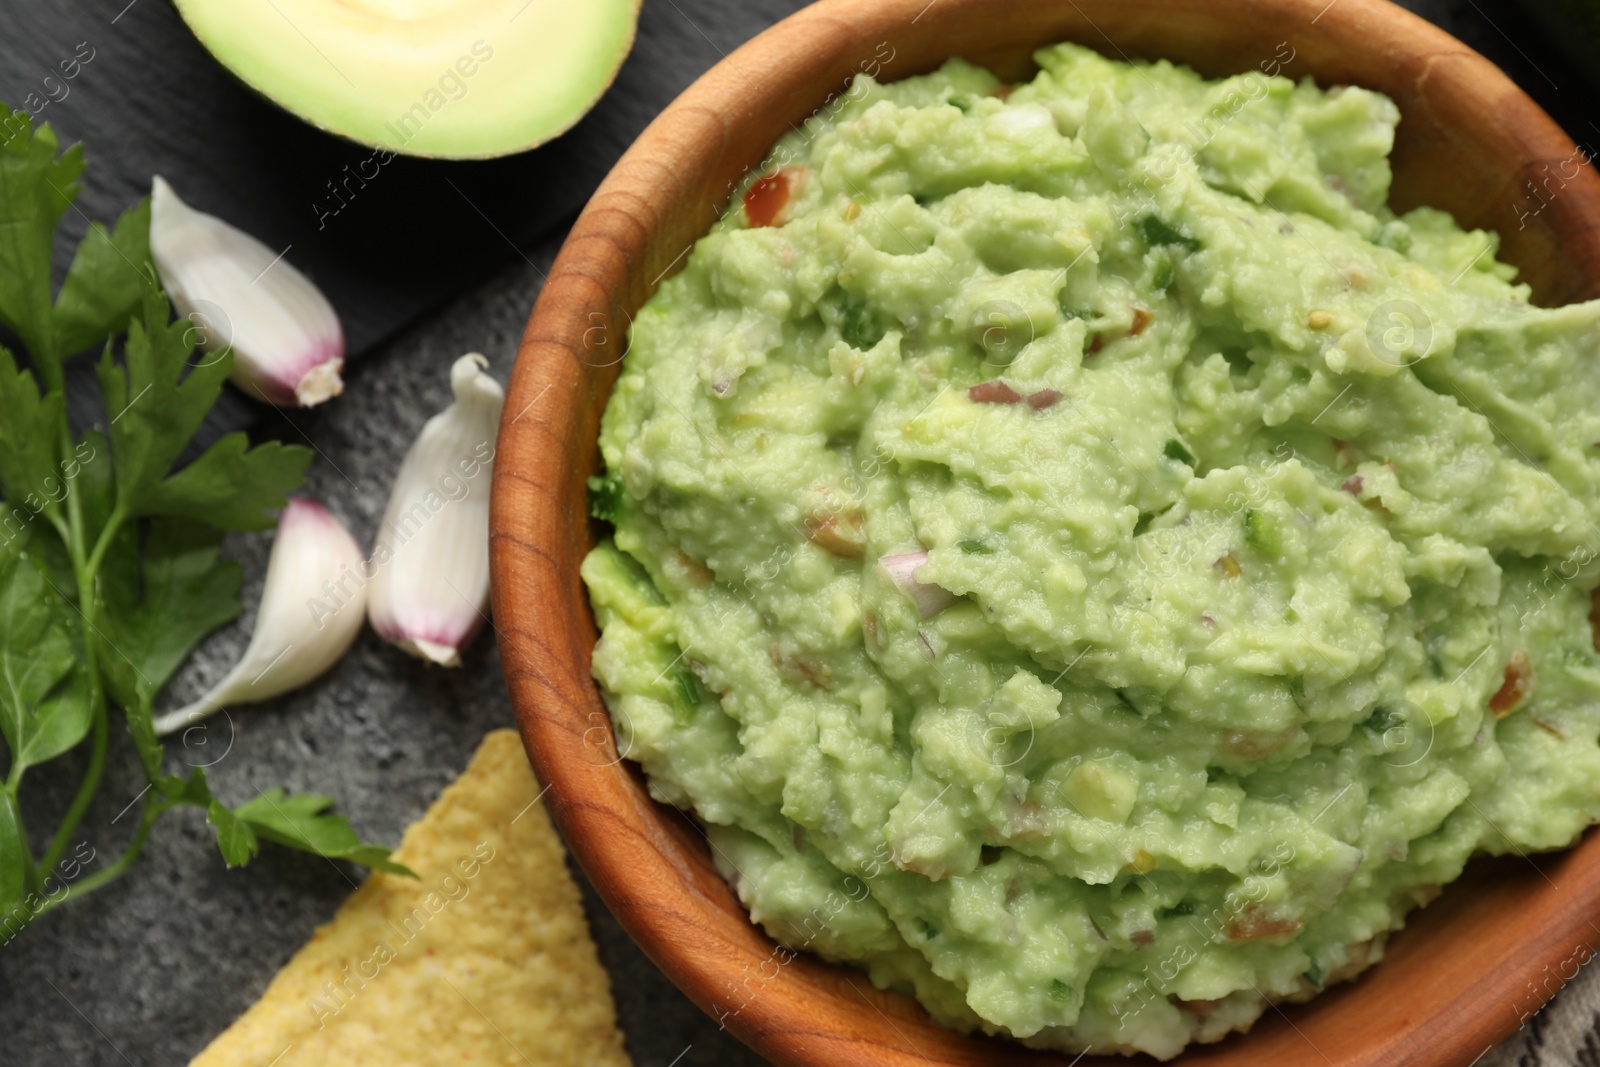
151	100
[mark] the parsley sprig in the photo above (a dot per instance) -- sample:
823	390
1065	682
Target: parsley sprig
109	570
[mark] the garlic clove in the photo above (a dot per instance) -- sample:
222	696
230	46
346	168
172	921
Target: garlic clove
287	343
430	565
312	607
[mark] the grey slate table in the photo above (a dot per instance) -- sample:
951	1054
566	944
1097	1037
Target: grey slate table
147	971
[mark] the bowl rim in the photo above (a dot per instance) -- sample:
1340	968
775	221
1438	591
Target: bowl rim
651	863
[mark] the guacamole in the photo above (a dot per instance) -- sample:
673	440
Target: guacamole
1088	562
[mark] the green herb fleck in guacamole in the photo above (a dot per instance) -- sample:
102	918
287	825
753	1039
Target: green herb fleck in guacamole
1091	564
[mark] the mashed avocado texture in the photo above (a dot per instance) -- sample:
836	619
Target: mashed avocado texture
1087	561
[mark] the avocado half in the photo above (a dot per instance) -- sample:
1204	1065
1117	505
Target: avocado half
456	79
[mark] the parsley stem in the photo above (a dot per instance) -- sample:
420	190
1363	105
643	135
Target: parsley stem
30	874
86	791
149	812
113	524
74	537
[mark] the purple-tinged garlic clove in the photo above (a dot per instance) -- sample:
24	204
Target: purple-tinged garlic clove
312	606
288	346
429	593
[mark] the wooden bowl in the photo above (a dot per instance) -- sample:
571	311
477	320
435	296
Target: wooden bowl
1467	970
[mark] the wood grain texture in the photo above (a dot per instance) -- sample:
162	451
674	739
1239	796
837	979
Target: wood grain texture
1464	973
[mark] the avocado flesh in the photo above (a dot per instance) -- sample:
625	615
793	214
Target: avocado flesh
457	79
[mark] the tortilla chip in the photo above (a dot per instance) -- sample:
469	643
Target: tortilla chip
486	960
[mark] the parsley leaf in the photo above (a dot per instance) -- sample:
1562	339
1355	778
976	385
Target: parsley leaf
606	498
107	282
688	690
36	187
27	439
859	324
236	840
40	716
1262	532
302	822
233	486
1157	232
157	409
1161	279
1382	720
185	592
